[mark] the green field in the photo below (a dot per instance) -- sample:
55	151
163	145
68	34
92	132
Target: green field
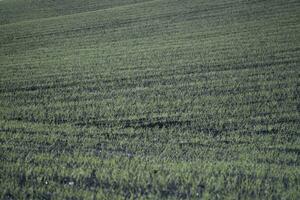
150	99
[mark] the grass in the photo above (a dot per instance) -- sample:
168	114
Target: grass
141	99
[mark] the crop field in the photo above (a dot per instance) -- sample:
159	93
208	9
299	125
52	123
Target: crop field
149	99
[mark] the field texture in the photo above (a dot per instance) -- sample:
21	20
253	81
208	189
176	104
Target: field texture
149	99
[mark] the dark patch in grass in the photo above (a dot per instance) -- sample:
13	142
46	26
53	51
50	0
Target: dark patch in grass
68	181
8	196
39	87
97	123
194	144
209	130
22	179
285	182
285	150
92	181
74	198
155	124
45	196
137	123
200	190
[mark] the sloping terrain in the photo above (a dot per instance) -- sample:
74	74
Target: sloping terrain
149	99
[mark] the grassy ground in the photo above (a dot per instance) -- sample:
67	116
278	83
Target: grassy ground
149	99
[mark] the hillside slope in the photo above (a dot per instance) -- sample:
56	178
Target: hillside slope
154	99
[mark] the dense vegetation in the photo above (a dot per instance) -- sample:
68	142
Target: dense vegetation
153	99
